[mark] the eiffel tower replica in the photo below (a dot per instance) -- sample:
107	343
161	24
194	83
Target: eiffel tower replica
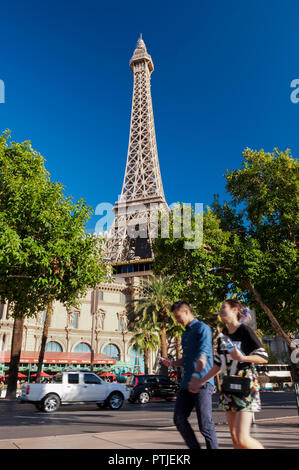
129	242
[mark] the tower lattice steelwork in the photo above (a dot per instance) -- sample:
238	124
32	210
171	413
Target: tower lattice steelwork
135	213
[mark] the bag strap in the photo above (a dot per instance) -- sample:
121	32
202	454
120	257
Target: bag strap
234	366
223	364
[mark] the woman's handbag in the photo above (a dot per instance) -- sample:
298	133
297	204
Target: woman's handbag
235	385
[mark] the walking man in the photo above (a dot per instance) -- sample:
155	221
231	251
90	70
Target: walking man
197	360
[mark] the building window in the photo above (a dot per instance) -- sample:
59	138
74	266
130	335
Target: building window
82	348
44	317
72	319
53	346
75	319
128	268
122	322
100	295
137	359
3	343
123	298
1	311
112	351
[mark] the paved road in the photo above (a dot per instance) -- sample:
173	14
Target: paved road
21	420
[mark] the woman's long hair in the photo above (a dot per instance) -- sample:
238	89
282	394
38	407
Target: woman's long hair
243	312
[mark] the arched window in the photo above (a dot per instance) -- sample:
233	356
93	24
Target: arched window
137	359
112	351
82	348
53	346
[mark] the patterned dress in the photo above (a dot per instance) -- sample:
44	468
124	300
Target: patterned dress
248	344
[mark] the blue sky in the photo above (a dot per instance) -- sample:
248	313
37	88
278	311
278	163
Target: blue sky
221	83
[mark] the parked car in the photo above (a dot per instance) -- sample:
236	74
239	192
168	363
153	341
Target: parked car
71	387
147	387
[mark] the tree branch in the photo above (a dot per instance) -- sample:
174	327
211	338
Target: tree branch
220	268
267	310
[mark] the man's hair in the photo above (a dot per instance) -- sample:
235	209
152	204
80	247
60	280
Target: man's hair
180	304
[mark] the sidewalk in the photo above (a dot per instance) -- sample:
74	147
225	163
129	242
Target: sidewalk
274	434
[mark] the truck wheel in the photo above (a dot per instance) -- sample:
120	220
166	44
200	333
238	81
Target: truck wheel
50	403
143	398
115	401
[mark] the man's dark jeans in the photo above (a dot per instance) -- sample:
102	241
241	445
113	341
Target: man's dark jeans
202	401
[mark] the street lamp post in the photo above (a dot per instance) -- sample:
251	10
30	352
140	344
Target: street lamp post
94	307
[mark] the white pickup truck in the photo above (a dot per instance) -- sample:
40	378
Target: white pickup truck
71	387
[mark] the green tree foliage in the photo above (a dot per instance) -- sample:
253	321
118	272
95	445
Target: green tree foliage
250	246
266	192
44	250
193	270
45	254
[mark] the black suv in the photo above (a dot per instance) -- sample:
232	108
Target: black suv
145	387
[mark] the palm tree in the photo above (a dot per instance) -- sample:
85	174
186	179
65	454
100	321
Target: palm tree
175	331
153	306
145	338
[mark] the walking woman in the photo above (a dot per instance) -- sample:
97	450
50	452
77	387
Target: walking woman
238	350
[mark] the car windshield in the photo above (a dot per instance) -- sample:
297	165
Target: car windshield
57	379
135	379
129	380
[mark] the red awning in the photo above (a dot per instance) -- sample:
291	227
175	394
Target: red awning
20	375
42	374
58	358
107	374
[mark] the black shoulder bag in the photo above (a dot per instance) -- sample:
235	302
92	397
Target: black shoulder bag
235	385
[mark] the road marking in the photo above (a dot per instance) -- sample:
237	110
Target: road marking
167	427
225	424
28	417
280	417
285	403
145	419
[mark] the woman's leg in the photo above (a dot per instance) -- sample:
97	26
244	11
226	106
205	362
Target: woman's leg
242	427
231	421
